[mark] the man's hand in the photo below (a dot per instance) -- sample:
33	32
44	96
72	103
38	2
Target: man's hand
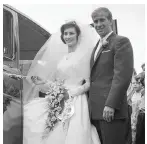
108	114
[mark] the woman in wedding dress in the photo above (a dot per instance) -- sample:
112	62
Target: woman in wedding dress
66	58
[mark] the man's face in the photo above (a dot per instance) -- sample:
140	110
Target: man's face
102	24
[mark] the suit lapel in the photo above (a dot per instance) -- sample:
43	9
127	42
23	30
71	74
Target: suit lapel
100	50
92	56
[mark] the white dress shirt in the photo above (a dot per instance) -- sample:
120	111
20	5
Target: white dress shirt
100	43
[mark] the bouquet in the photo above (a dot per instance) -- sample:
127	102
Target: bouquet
56	96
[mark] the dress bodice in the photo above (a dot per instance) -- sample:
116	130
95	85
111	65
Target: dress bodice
69	70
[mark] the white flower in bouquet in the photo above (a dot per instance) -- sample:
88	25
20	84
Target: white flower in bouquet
55	95
53	118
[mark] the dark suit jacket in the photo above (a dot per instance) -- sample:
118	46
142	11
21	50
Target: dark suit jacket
111	74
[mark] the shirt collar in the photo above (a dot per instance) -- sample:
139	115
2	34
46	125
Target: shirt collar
106	36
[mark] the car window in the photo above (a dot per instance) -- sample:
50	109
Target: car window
7	34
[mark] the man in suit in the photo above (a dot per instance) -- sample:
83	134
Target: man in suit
111	73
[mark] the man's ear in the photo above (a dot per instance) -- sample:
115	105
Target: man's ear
111	22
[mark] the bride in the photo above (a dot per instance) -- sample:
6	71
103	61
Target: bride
65	56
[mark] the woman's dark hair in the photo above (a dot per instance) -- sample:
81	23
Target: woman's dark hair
141	78
143	65
69	25
142	81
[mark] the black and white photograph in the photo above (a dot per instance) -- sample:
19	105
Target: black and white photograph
74	73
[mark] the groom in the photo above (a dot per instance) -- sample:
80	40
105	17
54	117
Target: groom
111	72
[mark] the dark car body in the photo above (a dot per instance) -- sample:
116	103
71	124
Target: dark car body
22	39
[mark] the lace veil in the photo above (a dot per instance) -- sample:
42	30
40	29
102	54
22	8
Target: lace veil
45	63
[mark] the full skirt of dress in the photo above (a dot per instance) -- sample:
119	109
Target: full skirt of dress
79	130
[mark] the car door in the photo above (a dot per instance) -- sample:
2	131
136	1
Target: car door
22	39
12	87
31	38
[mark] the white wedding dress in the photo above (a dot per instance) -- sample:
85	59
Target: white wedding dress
78	129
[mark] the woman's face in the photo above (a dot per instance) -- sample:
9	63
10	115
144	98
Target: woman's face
137	86
70	36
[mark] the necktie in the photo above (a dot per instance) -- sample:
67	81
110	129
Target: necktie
98	48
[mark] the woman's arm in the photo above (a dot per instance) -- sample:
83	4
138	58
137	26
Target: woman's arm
43	84
80	89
